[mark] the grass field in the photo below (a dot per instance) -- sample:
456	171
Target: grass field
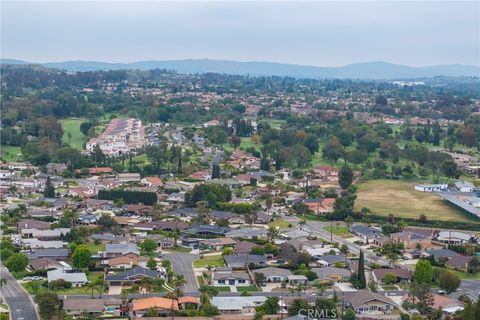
214	261
337	230
76	138
10	153
384	197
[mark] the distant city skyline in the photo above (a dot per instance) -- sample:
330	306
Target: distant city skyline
423	33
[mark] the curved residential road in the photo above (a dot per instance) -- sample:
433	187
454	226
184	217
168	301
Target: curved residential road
19	302
182	263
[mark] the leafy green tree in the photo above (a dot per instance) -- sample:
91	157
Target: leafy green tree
48	305
82	257
297	306
16	262
149	245
474	266
333	150
345	177
390	278
350	314
449	281
270	306
423	271
152	264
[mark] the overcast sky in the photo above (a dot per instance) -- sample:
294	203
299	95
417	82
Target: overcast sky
309	33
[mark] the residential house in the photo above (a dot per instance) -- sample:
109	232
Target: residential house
411	240
127	261
403	275
273	274
320	205
78	279
163	306
120	249
333	274
367	234
32	224
243	247
332	260
296	279
83	307
207	230
459	262
441	254
54	254
243	260
230	278
247	233
238	305
44	264
131	276
218	244
368	304
152	181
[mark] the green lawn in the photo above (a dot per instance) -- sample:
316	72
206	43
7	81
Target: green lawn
76	139
247	143
10	153
223	289
462	275
337	230
279	223
384	197
30	290
94	248
214	261
247	288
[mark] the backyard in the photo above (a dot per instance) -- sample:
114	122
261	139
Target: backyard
384	197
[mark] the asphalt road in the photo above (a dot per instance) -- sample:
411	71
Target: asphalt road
316	228
182	264
20	305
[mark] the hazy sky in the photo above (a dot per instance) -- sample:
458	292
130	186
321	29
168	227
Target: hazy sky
312	33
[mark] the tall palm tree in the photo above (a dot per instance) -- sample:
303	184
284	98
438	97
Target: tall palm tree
146	284
93	286
272	233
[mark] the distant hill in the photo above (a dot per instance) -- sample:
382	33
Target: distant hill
367	70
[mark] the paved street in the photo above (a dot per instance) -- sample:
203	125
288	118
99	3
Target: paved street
316	228
182	264
20	304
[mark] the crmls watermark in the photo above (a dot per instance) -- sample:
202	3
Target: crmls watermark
318	314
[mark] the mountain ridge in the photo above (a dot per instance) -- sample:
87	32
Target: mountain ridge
362	70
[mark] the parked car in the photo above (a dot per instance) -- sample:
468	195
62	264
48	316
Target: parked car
27	278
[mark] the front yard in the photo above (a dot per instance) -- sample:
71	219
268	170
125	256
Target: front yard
214	261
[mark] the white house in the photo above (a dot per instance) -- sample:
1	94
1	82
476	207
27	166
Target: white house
238	305
431	187
230	278
78	279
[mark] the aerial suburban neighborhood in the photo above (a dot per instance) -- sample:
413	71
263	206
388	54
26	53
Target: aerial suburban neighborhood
191	188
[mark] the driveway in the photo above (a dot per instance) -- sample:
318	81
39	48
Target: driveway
182	263
20	304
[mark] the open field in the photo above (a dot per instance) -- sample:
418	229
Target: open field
10	153
384	197
72	126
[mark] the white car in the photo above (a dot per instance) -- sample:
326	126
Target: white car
27	278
